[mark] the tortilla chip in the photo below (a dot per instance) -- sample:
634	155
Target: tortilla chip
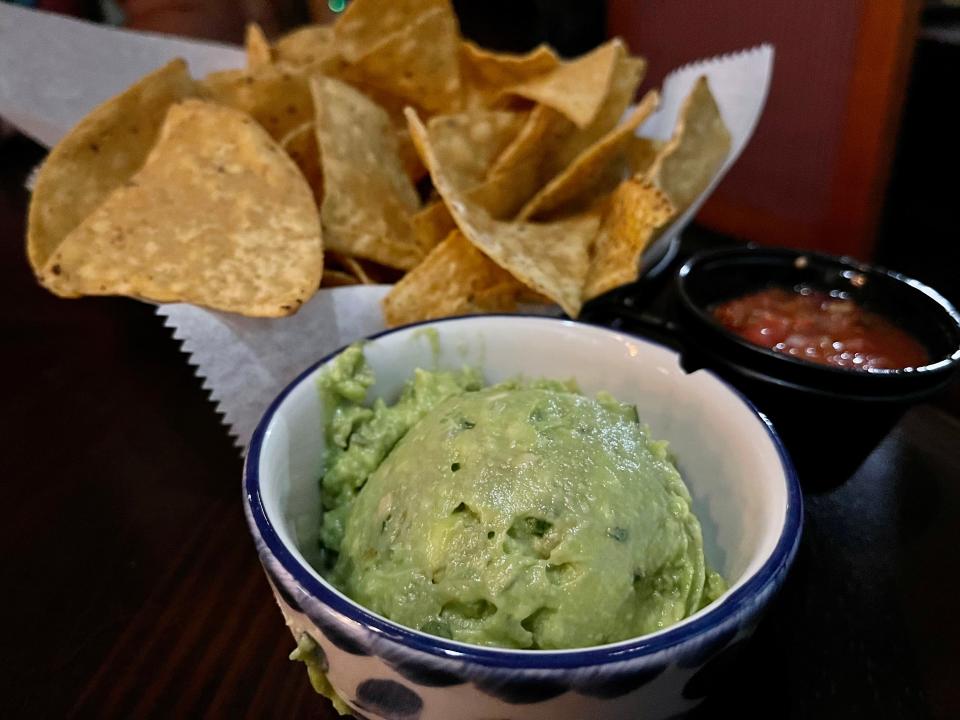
98	155
409	158
418	64
454	279
467	144
310	49
357	269
366	23
568	146
276	96
551	258
337	278
301	145
521	165
637	211
432	224
368	199
577	88
501	196
485	74
217	216
640	153
594	168
257	46
548	143
700	144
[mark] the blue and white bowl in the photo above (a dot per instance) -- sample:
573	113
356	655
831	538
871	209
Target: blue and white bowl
744	492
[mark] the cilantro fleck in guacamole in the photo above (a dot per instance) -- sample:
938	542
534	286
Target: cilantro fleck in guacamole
518	515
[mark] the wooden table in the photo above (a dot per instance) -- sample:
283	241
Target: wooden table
133	590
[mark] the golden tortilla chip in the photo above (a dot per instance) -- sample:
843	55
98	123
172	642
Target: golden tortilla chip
467	144
485	74
432	224
99	155
301	145
368	199
636	212
454	279
700	144
337	278
217	216
548	143
521	165
257	47
366	23
568	146
418	64
310	49
276	96
577	88
640	153
594	168
357	269
551	258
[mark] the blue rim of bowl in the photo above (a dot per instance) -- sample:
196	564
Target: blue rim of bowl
739	600
942	365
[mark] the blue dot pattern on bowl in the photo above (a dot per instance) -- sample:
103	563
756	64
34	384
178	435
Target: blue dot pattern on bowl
389	699
424	670
714	673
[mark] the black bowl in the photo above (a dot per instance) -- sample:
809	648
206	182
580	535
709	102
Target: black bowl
830	418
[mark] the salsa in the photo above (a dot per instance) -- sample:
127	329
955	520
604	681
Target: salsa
826	328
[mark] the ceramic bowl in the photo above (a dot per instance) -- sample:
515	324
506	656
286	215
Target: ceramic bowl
744	491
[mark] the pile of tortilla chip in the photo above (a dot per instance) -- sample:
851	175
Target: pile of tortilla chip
382	149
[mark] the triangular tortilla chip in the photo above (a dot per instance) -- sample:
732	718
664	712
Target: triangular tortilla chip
485	74
432	224
700	144
368	199
577	88
623	88
301	145
501	196
522	164
593	168
636	211
257	47
418	64
337	278
548	143
276	96
217	216
454	279
99	155
551	258
310	49
641	152
366	23
467	144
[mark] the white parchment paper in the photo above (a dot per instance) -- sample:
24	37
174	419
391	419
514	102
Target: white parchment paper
53	70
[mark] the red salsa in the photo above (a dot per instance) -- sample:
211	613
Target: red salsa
825	328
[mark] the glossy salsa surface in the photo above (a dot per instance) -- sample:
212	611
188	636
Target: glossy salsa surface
827	328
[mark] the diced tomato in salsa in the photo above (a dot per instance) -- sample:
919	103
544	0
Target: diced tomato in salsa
820	327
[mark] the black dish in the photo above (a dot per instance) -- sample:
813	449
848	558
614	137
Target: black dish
830	418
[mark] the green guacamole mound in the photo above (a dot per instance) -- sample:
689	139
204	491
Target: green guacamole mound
521	515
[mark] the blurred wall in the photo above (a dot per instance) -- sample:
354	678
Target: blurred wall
815	172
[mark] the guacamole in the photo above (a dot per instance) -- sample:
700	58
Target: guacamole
520	515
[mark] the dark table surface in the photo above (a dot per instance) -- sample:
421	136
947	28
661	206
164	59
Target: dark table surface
133	589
